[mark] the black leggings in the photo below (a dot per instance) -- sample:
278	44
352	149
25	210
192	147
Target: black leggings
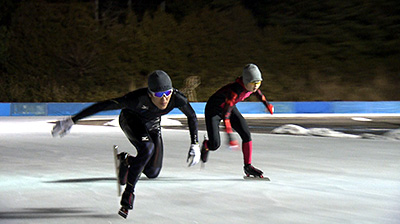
149	148
213	119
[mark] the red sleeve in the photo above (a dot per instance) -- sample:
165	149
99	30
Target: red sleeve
229	104
264	100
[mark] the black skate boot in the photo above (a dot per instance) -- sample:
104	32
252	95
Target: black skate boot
204	150
127	204
123	167
123	212
250	170
253	173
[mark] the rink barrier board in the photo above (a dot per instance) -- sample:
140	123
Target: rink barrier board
323	107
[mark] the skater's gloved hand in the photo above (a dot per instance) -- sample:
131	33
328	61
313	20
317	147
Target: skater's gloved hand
62	127
193	155
270	108
233	143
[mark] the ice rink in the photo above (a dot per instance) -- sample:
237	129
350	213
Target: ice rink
313	179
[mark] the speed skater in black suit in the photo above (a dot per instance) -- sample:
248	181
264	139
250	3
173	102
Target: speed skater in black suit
140	118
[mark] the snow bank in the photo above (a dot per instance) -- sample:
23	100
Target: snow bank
394	134
293	129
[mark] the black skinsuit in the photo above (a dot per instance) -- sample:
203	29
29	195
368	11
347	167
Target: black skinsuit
140	121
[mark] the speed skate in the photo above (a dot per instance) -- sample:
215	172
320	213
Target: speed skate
252	173
256	178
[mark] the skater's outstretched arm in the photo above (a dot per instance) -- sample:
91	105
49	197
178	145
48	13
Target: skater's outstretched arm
96	108
192	122
194	151
63	126
264	100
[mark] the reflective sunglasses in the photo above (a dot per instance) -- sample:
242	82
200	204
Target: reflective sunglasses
256	82
161	94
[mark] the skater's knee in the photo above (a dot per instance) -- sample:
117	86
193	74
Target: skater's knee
152	172
213	149
213	145
246	138
152	176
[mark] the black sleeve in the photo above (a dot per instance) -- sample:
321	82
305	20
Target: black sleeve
186	108
97	107
192	121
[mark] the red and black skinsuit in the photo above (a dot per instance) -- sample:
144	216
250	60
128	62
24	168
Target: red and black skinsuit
140	121
222	106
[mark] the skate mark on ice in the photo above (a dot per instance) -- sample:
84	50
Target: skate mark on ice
83	180
51	213
145	179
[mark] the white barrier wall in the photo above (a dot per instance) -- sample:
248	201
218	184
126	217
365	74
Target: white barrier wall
326	107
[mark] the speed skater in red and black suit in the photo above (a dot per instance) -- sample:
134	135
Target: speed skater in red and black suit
222	106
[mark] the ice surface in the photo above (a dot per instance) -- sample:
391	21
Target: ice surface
313	179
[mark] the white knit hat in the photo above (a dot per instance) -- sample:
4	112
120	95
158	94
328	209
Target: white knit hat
251	73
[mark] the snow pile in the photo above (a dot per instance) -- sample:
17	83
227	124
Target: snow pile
374	137
393	134
326	132
390	135
293	129
323	132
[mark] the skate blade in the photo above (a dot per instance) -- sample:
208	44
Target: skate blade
116	163
123	214
234	148
256	178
